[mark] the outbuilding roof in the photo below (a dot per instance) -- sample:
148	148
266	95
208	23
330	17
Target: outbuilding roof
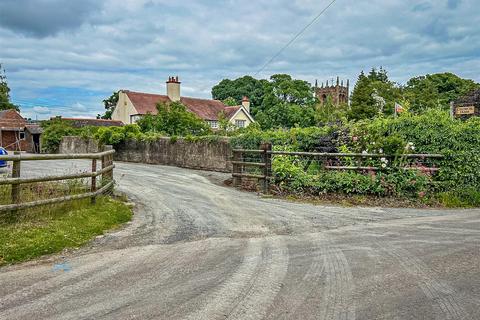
81	122
11	120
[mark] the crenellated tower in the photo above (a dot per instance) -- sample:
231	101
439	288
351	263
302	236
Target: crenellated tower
339	92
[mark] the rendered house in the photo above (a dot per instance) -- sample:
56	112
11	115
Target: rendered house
17	134
132	105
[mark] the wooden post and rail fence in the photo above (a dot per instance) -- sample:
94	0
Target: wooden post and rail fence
263	157
106	172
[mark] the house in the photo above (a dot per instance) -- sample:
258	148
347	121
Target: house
18	134
88	122
132	106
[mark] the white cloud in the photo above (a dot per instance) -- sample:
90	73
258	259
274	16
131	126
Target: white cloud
139	44
41	110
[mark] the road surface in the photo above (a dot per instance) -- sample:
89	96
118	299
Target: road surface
198	250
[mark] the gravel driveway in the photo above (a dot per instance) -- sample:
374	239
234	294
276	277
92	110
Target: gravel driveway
199	250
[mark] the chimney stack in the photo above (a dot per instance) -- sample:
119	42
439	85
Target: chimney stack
173	89
246	103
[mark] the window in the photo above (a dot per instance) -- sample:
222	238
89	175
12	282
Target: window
240	123
134	118
213	124
22	135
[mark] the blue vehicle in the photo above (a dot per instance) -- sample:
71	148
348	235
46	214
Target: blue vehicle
3	164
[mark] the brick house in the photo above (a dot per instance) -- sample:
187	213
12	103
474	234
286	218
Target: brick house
132	106
16	134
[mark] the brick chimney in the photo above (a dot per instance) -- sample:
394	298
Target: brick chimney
246	103
173	88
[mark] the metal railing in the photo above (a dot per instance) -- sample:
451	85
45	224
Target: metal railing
106	172
257	163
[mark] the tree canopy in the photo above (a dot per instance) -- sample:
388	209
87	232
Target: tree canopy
109	103
436	90
373	94
173	119
235	90
287	103
5	103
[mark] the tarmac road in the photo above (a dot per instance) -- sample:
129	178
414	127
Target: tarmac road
199	250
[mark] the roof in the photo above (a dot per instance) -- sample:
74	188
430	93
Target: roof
80	122
146	102
11	120
34	129
204	108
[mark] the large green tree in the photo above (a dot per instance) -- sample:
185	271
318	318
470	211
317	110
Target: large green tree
436	90
374	94
234	90
287	103
173	119
5	103
109	103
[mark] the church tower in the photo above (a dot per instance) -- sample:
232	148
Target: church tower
338	92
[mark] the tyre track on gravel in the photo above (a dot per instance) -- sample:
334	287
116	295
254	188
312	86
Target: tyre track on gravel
306	285
258	279
338	303
143	283
443	297
83	273
63	292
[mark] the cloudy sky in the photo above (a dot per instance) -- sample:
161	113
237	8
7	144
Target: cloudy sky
62	57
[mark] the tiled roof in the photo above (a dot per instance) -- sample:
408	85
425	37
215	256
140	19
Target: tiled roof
203	108
230	111
146	102
11	119
34	128
80	122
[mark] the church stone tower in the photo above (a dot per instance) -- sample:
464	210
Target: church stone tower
338	92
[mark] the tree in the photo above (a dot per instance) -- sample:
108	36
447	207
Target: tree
173	119
5	103
327	112
287	103
238	88
369	90
53	132
230	102
436	90
110	103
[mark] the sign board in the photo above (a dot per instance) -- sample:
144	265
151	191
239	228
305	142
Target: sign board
465	110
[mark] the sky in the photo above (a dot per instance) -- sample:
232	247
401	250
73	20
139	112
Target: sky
63	57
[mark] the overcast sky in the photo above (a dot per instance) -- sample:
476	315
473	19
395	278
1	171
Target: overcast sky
62	57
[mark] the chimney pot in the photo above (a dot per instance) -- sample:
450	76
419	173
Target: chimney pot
246	103
173	89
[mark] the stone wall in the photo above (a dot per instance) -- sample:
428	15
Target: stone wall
70	145
202	155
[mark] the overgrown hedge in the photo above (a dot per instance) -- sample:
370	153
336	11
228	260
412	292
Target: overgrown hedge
457	182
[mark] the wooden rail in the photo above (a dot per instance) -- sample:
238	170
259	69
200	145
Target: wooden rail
266	153
106	172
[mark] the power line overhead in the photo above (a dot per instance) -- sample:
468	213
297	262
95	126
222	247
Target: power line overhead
295	37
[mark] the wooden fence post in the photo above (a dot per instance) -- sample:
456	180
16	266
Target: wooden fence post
94	181
16	174
267	169
107	161
236	168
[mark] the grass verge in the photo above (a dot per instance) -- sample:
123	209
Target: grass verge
30	234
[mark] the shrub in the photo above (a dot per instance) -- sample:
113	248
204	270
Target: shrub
54	131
